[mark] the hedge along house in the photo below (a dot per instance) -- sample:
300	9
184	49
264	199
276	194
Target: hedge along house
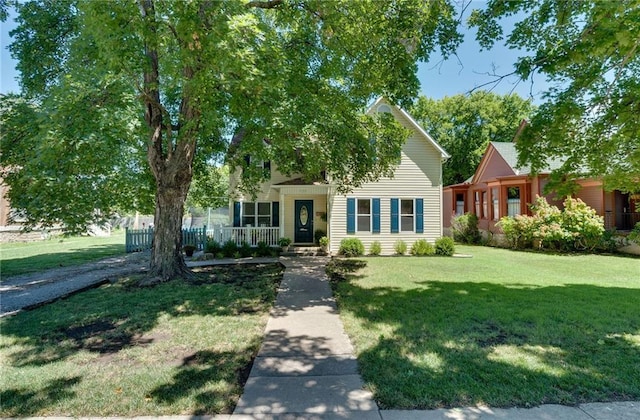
404	207
500	188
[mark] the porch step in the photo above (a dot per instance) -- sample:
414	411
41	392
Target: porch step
303	251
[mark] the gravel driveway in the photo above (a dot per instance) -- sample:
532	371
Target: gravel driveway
29	290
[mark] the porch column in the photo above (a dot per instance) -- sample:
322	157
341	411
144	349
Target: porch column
281	215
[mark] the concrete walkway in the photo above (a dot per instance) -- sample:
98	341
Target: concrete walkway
306	367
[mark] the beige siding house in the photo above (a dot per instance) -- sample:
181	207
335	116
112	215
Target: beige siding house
406	207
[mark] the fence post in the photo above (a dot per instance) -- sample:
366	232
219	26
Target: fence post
203	237
127	241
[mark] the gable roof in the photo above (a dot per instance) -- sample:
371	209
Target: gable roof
508	152
381	100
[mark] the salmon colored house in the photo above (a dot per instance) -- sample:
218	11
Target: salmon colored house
500	188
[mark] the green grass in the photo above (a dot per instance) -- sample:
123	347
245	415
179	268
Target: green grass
503	328
120	350
30	257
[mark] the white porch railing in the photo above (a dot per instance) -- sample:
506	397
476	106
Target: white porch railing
251	235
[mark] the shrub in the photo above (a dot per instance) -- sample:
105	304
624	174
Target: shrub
213	247
323	242
351	247
229	248
375	248
264	250
318	234
422	248
400	247
245	249
519	231
634	235
583	225
465	228
445	246
576	228
219	255
608	241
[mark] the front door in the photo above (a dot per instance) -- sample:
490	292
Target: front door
304	221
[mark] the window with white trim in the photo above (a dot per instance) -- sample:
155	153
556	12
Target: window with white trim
363	215
407	215
256	214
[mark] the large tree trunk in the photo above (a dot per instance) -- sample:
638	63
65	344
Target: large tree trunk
167	261
170	156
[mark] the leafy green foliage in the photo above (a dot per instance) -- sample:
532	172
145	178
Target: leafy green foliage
245	249
58	175
209	188
589	51
318	234
229	248
400	247
634	235
422	248
465	228
351	247
575	228
465	124
375	248
213	247
264	250
445	246
169	83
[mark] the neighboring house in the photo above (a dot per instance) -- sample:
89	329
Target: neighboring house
500	188
406	207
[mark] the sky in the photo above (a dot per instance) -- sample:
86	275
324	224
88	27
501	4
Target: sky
438	78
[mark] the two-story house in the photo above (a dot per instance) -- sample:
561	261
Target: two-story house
407	206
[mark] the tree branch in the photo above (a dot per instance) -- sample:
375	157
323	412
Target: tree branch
270	4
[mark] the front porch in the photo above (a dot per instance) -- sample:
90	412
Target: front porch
294	211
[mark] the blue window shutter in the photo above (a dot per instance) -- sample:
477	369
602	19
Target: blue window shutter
376	215
419	216
394	215
275	214
236	214
351	215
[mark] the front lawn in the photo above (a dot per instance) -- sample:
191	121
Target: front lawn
503	328
119	350
29	257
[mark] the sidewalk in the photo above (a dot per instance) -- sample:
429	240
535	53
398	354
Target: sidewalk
306	367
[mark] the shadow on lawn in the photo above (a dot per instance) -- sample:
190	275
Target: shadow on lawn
18	402
460	344
118	316
35	263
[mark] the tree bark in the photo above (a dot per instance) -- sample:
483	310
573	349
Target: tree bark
170	157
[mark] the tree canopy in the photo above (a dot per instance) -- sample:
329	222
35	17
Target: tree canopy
590	52
173	81
465	124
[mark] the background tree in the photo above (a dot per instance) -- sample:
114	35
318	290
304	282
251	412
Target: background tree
590	52
190	74
465	124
